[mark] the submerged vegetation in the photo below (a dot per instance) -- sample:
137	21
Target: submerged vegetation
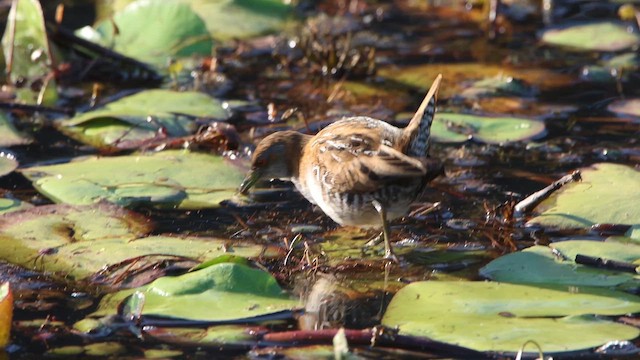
126	127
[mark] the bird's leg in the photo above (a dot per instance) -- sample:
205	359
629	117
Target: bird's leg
388	250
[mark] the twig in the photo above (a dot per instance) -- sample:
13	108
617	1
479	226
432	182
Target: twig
537	197
11	106
606	263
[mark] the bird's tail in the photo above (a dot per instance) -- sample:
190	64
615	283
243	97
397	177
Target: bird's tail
417	134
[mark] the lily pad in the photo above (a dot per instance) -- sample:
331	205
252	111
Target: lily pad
240	19
176	31
221	292
8	204
539	264
174	178
489	316
9	136
8	163
28	54
58	238
139	117
598	36
498	86
459	76
457	128
607	194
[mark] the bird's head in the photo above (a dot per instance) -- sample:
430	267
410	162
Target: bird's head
275	157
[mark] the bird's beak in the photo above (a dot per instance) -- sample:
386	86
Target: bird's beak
252	177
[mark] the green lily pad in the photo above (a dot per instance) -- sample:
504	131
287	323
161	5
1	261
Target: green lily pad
489	316
8	204
598	36
456	77
611	249
59	238
175	31
9	136
457	128
8	163
28	54
129	121
221	292
539	265
173	178
498	86
240	19
607	194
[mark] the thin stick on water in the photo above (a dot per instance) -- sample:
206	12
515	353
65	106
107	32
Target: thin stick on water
537	197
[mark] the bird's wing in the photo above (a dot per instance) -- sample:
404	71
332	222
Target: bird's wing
361	159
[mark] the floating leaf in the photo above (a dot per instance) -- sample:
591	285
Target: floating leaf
607	194
229	19
8	163
239	19
221	292
488	316
8	204
538	264
58	238
176	31
143	116
6	313
598	36
9	136
28	54
498	86
491	130
457	77
173	178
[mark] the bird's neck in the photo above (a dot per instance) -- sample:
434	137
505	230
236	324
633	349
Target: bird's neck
295	150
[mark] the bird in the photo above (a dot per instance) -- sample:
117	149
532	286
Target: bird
359	170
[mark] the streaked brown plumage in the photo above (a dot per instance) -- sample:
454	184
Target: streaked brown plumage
359	170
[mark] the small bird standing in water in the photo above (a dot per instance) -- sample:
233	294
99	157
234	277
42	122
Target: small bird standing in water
360	171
